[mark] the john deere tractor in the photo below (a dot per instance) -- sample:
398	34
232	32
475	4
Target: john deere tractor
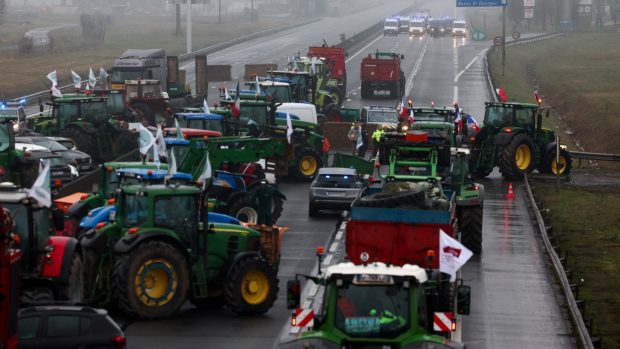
85	119
160	250
512	137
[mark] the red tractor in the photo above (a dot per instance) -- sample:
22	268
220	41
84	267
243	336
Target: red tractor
382	72
9	283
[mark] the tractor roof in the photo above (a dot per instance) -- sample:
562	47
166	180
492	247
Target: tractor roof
199	116
176	141
133	164
11	193
377	269
162	189
151	174
512	104
438	110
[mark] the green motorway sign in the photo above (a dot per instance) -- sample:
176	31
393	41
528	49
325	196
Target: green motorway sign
478	35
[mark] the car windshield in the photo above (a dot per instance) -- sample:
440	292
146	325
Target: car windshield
135	209
336	181
49	144
416	24
391	23
66	143
372	310
458	25
382	116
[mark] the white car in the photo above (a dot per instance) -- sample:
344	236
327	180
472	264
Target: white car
459	28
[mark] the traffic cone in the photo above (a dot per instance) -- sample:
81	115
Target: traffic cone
511	193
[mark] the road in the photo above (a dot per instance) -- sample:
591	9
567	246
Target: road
514	302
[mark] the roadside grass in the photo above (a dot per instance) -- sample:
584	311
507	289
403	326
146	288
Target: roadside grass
592	240
23	74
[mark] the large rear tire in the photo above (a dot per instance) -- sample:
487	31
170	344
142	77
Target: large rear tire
152	281
307	165
243	209
73	290
470	225
251	286
551	166
84	141
35	296
517	157
90	261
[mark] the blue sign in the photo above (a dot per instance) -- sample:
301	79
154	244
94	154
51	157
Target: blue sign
480	3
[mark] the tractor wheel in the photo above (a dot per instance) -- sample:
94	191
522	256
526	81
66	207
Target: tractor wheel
550	165
277	206
73	291
90	261
251	286
84	141
152	281
244	210
470	225
144	113
125	142
35	296
517	157
307	165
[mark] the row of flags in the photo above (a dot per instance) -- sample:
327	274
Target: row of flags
77	80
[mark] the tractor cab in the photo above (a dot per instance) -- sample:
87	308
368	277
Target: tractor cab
16	165
504	116
300	82
255	117
278	91
200	121
438	123
363	305
178	146
147	100
71	108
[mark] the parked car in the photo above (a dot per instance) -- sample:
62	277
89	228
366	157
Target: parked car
59	167
334	188
79	159
67	327
67	142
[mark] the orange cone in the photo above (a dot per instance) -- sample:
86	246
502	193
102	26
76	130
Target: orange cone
511	193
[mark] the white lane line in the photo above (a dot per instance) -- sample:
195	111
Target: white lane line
363	48
333	247
339	235
415	69
458	76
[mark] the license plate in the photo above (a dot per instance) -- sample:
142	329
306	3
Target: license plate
56	173
84	167
335	193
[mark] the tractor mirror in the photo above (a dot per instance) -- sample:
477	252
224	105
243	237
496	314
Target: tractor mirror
293	294
463	299
402	56
58	219
94	188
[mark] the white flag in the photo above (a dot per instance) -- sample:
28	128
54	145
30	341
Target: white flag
206	107
146	139
160	146
313	66
56	92
206	172
92	80
360	139
178	128
103	75
172	165
41	190
77	80
226	95
452	255
257	86
52	77
289	127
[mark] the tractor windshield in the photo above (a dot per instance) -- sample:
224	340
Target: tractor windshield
119	76
179	151
201	124
65	113
135	210
253	114
178	213
94	110
279	94
372	310
383	116
502	116
5	136
116	103
111	183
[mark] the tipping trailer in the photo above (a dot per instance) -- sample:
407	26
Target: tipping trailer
382	72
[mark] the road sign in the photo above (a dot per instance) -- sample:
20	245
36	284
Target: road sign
303	317
480	3
529	13
529	3
442	322
497	41
478	35
516	35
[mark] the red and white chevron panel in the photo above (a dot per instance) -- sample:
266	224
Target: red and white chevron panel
303	317
442	322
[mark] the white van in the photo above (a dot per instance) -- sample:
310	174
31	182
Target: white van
304	111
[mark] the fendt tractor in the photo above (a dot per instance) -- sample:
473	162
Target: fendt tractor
51	267
512	138
160	250
382	72
373	305
85	119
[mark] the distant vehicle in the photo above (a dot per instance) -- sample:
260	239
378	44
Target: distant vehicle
68	327
390	26
447	24
13	110
403	24
417	26
436	27
459	28
59	167
334	188
76	158
380	116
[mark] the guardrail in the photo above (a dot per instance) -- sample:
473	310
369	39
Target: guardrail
582	329
533	39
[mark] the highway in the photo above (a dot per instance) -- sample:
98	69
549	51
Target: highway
515	303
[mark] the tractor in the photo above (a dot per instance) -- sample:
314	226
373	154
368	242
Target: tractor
16	166
161	249
51	267
512	138
85	119
306	87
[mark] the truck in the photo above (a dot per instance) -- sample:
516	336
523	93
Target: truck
381	71
161	250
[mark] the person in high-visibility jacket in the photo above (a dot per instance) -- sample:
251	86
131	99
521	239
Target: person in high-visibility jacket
376	139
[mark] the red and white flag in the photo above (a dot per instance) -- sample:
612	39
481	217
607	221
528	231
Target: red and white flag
236	108
537	97
452	255
501	93
411	117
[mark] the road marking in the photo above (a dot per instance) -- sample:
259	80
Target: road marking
328	260
456	93
365	47
458	76
333	247
339	235
415	69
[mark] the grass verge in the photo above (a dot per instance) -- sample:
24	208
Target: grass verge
591	239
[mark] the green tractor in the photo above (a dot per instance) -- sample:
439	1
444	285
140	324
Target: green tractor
512	138
85	119
16	166
307	88
160	250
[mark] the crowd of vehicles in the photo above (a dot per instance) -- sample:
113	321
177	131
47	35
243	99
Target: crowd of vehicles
421	23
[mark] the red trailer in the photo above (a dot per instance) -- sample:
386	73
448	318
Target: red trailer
9	284
382	72
335	60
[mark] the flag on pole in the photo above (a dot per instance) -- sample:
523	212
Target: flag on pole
537	97
313	66
226	95
236	108
501	93
206	107
289	127
360	138
55	91
41	189
77	80
145	140
411	117
179	132
404	112
206	172
172	166
452	255
92	80
160	146
257	86
103	75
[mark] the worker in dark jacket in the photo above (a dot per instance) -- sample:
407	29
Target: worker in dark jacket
262	199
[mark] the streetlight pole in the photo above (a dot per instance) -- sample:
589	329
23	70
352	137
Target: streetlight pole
219	11
504	39
252	11
189	26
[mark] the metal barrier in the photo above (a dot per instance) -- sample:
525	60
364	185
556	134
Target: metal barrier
533	39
